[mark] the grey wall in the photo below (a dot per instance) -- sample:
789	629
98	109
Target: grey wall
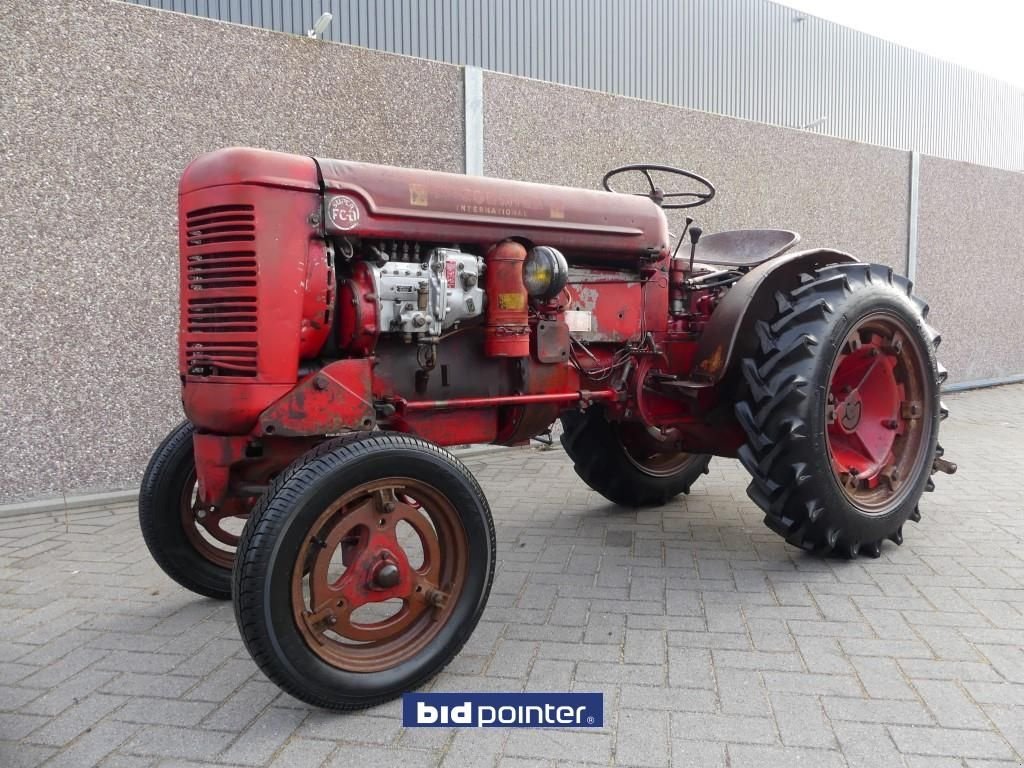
970	266
834	192
101	109
105	104
754	59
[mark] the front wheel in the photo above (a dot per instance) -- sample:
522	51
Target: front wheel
364	570
193	545
842	410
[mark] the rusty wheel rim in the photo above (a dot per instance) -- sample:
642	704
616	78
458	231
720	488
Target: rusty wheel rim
394	550
204	527
649	454
876	413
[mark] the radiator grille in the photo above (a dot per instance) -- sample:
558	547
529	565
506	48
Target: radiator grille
223	358
221	224
221	281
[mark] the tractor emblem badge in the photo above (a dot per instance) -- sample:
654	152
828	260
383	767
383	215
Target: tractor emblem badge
343	213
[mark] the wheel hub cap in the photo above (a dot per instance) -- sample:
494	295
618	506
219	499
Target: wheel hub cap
386	576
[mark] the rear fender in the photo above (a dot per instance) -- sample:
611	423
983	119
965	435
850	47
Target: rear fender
729	335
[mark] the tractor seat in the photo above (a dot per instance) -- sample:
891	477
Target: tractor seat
744	247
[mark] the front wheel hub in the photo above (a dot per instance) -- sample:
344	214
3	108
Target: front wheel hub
378	574
386	576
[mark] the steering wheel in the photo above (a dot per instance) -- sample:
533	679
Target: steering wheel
657	194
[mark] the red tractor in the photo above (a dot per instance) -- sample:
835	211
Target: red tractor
342	321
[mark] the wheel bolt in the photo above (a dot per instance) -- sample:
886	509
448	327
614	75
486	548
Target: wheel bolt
389	507
890	424
332	620
200	514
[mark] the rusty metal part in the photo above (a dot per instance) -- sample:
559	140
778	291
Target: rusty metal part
483	402
552	341
877	413
204	524
333	400
652	453
355	558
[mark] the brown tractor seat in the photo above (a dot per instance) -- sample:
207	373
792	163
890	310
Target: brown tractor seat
744	247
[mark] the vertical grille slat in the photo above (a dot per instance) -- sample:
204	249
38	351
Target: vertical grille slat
221	277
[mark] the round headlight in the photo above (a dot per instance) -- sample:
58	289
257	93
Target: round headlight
545	273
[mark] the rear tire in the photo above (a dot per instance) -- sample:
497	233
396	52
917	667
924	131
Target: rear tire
827	477
603	462
167	485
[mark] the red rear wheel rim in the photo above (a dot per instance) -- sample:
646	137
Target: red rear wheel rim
876	413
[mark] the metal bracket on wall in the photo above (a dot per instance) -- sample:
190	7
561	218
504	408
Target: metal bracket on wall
473	81
915	186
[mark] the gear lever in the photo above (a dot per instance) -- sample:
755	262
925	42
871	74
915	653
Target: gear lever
695	233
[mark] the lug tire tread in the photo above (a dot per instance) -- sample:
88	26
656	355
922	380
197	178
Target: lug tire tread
771	414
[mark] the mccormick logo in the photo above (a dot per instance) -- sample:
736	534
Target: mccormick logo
503	710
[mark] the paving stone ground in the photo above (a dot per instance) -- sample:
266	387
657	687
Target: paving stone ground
714	643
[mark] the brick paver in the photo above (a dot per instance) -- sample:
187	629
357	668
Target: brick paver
713	642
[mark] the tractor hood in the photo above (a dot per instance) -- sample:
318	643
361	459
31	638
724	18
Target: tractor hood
383	202
407	204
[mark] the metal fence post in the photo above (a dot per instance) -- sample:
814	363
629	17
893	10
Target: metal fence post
473	80
915	185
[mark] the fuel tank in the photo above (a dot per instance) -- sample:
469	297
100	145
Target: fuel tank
588	226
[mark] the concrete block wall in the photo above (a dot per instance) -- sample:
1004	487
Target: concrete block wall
105	104
833	192
970	266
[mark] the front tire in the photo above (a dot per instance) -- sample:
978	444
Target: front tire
195	552
622	463
842	410
364	570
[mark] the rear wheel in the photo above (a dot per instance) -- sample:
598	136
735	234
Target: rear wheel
842	411
364	570
193	545
624	463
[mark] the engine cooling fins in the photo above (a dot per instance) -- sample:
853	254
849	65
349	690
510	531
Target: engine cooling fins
785	373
